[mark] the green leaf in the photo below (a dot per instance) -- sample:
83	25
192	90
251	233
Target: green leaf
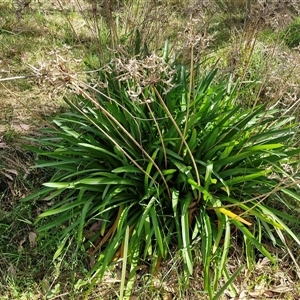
124	264
200	188
226	246
242	179
148	170
100	149
158	235
291	194
169	171
208	180
83	215
59	210
225	286
192	143
59	185
175	200
253	240
145	214
126	169
185	234
207	251
59	249
264	147
101	180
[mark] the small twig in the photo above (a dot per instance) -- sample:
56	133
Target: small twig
19	77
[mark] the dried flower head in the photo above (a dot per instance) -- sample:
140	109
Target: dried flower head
144	73
58	70
273	13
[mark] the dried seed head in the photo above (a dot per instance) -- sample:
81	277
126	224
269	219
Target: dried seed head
57	70
143	73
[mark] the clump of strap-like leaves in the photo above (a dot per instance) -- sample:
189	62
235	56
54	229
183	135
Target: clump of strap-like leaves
157	156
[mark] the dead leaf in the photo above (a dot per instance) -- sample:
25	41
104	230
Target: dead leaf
92	260
12	190
262	263
255	294
7	176
96	226
281	289
32	239
25	126
11	271
112	280
268	294
243	295
156	283
21	243
12	171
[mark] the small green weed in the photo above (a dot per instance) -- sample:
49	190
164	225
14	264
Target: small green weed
10	135
291	35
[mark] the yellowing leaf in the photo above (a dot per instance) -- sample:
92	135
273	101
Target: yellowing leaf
232	215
